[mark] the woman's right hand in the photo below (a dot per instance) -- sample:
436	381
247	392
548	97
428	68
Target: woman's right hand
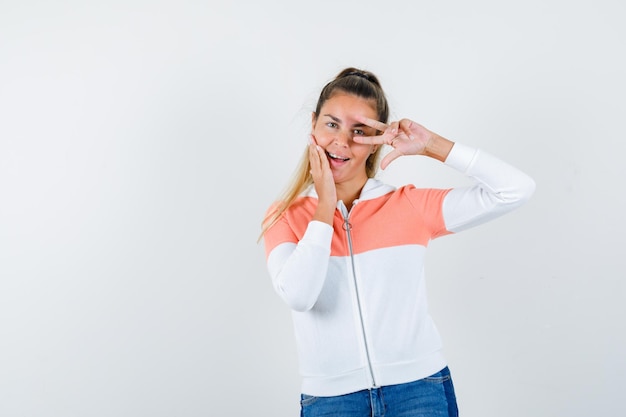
324	183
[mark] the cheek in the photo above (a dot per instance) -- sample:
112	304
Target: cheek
363	151
322	138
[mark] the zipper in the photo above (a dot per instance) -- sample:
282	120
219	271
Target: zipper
348	228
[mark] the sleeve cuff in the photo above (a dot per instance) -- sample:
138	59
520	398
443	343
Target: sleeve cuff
461	157
318	233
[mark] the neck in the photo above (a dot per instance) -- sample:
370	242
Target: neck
349	192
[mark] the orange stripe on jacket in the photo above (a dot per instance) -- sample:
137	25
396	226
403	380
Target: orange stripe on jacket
406	216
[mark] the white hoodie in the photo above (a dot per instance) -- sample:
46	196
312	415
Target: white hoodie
357	289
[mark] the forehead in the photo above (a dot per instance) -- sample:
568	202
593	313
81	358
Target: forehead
349	104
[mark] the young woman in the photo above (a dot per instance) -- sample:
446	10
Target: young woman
346	253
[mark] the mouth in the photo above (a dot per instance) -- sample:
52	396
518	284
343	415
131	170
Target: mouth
337	157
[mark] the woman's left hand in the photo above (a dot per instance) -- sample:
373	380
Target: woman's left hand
405	137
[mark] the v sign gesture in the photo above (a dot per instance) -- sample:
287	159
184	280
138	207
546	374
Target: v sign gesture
406	137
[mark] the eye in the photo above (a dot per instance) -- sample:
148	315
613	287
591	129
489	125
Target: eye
331	124
358	132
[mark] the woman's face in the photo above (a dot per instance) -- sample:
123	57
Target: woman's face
333	130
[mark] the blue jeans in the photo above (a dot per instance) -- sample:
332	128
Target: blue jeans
429	397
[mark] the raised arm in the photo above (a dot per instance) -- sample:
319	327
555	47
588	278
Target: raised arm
499	187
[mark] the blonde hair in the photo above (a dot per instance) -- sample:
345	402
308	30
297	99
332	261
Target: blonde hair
352	81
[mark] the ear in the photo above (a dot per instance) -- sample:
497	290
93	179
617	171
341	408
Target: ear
374	149
313	120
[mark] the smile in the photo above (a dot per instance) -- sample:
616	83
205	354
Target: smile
337	157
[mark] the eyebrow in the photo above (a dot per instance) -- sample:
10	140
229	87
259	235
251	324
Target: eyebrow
338	120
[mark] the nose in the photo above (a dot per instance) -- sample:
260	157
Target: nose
342	138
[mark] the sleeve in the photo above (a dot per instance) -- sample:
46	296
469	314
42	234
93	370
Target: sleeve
298	269
499	189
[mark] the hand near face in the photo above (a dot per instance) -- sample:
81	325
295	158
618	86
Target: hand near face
322	175
406	137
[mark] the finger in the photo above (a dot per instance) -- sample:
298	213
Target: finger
390	133
407	123
321	153
383	139
372	123
314	158
318	159
389	158
386	138
407	132
408	127
402	136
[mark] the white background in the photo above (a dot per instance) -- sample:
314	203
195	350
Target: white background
142	141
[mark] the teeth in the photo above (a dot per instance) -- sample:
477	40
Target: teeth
332	155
